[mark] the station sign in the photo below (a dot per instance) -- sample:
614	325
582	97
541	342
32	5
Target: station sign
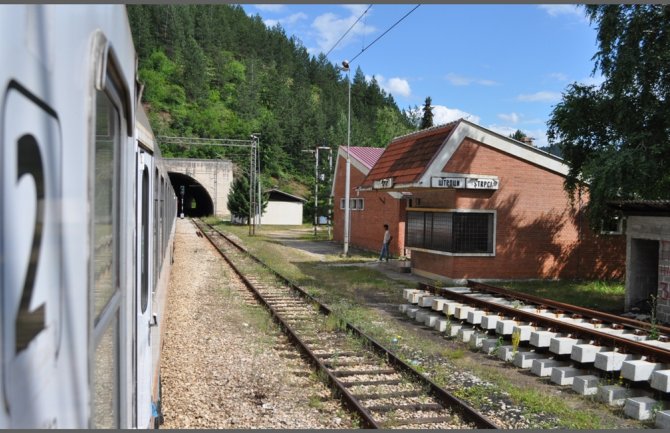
462	182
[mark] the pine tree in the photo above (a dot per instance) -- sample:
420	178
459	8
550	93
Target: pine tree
427	119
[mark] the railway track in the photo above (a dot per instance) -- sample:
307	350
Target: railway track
371	381
624	362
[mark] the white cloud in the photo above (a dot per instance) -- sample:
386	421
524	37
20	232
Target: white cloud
396	86
512	118
442	114
460	80
565	10
291	19
558	76
270	8
330	28
539	136
543	96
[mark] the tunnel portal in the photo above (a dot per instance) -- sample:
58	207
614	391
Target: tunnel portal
196	200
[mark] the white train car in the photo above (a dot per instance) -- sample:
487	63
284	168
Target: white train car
86	223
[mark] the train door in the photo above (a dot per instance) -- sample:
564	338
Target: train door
31	276
143	302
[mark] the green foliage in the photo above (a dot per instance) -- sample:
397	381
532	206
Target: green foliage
212	71
616	137
427	119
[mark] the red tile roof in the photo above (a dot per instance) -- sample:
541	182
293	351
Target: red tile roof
368	156
408	156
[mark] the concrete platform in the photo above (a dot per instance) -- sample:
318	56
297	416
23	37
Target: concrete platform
586	353
586	385
524	359
640	408
611	361
543	367
565	375
639	370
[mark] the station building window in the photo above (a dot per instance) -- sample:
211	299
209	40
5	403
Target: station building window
354	204
457	232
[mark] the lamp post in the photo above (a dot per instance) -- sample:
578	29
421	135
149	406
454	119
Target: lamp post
347	177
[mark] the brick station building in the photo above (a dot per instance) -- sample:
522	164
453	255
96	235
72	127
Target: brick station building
467	203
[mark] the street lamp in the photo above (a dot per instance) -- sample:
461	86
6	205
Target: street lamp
345	67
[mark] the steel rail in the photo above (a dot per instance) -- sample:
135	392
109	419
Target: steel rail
567	307
347	397
605	339
451	401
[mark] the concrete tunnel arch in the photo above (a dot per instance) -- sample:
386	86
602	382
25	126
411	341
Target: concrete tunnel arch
197	201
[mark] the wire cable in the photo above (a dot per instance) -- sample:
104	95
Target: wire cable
345	33
387	30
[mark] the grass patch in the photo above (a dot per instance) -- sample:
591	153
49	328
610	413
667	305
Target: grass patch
605	296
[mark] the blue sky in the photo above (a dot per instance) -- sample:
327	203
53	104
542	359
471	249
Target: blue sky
501	66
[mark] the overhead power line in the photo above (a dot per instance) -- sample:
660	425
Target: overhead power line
345	33
387	30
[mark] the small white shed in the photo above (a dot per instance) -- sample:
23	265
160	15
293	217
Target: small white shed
283	209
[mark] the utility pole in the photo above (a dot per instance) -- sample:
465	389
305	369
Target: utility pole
316	182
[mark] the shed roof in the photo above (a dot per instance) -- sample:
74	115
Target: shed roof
278	195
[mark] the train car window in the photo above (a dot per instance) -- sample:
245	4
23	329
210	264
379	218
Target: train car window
157	226
110	128
145	240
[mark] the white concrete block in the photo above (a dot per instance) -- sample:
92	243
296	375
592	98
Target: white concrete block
441	324
489	345
505	327
449	308
660	379
542	338
614	395
431	318
411	312
506	353
563	345
586	385
477	339
586	353
525	359
426	301
639	370
524	331
489	321
438	303
663	419
415	296
565	375
461	312
421	315
452	331
403	308
407	292
475	317
639	408
611	361
543	367
464	334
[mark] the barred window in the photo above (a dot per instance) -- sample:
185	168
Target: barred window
452	232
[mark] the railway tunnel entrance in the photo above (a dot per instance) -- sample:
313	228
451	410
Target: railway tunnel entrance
196	201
